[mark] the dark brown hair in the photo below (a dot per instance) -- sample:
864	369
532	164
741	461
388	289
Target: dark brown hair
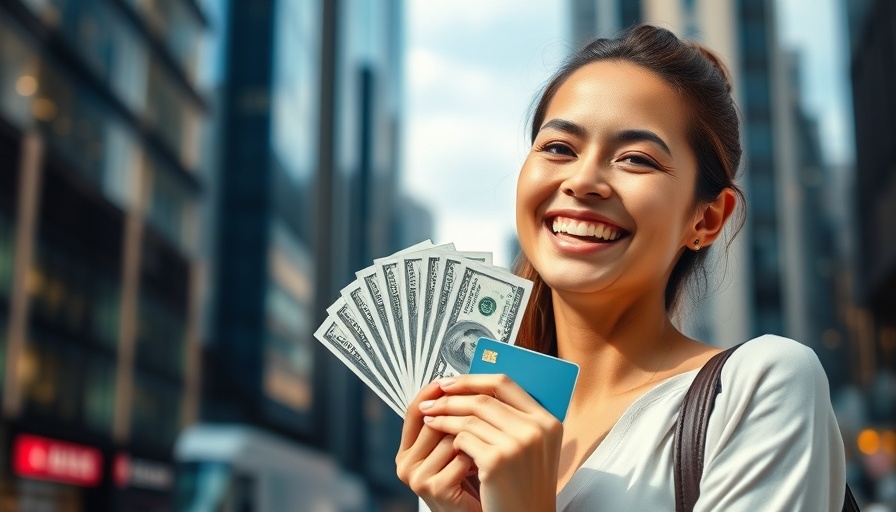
713	133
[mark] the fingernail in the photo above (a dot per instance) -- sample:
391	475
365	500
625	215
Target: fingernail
427	419
447	381
426	404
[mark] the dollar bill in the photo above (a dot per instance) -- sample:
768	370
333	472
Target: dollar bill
388	275
432	268
358	303
485	303
410	281
480	256
334	339
380	365
445	286
413	316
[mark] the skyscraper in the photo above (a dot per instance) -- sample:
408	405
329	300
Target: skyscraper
873	35
100	182
309	97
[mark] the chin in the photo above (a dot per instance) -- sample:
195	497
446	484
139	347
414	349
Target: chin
574	279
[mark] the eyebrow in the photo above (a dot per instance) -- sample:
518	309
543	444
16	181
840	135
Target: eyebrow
564	126
631	135
642	135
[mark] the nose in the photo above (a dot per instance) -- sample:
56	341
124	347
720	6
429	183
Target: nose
587	178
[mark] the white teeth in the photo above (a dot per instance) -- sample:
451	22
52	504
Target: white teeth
583	228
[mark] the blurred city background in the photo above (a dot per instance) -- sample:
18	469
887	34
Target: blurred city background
186	184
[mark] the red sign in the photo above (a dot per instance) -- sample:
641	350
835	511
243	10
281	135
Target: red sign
57	461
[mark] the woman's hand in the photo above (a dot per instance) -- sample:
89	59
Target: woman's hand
513	441
430	464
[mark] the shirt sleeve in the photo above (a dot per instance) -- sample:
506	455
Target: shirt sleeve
773	443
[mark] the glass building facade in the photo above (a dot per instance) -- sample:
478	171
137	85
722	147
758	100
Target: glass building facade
100	181
306	131
873	35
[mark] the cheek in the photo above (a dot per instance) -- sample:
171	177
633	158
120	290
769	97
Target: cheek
532	189
662	211
528	200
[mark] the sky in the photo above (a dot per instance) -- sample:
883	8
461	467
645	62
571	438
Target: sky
473	68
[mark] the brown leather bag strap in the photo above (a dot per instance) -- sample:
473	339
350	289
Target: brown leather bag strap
690	435
690	432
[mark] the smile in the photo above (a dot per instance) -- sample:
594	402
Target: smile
586	229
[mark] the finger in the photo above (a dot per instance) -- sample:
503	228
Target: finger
438	458
442	474
446	468
484	407
413	420
455	473
454	425
492	420
496	385
424	444
481	452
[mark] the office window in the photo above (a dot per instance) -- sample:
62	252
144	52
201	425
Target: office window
98	397
156	410
74	121
18	70
173	23
288	349
104	40
43	372
174	116
121	163
65	383
3	328
72	294
161	336
172	207
7	239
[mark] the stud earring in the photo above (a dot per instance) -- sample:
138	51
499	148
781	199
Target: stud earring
696	244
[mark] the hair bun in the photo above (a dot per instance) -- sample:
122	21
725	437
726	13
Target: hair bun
715	60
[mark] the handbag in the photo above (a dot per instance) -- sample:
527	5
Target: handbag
690	435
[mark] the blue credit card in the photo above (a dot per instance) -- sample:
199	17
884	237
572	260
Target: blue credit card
548	379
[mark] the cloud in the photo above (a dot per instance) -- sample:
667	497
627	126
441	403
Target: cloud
479	233
472	69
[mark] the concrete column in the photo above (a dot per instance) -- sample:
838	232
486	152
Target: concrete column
130	288
28	207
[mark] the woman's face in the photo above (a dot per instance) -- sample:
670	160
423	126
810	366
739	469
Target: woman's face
605	198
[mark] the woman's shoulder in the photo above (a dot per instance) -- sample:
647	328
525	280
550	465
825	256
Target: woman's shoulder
771	361
771	352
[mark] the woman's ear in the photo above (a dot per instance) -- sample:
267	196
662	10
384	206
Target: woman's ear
711	218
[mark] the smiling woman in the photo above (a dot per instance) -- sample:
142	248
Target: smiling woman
629	180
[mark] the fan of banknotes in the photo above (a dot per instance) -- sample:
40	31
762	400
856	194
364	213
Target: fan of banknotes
416	316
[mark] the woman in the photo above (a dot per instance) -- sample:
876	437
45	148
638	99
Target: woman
630	178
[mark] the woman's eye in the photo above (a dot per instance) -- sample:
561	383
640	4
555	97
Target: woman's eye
557	148
639	161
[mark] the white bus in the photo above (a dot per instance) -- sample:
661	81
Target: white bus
235	468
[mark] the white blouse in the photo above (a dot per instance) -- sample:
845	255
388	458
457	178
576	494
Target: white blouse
772	443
